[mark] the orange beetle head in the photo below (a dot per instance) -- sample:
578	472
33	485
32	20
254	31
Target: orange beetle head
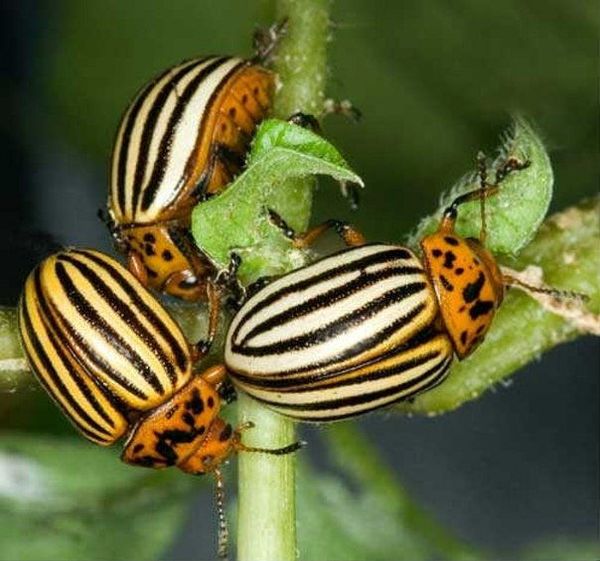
468	285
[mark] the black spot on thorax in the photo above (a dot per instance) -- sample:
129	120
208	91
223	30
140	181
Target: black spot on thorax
481	308
473	289
225	433
195	404
449	259
446	284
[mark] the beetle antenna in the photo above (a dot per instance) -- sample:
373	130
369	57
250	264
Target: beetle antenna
510	280
482	172
223	535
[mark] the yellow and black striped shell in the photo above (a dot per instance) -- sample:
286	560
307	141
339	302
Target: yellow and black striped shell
184	137
99	342
350	333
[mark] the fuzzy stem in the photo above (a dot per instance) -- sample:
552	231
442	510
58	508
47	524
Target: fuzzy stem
267	502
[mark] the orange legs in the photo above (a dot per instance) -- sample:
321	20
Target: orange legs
349	235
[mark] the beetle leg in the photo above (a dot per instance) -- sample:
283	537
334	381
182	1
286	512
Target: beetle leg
228	279
306	121
258	284
202	347
350	235
192	290
214	375
484	191
266	41
227	391
135	264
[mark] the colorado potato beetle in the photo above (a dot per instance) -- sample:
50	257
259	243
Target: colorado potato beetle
118	365
369	325
183	138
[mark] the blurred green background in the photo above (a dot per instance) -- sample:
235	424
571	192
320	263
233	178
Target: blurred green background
436	82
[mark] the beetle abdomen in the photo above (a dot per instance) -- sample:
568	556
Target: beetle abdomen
99	342
349	333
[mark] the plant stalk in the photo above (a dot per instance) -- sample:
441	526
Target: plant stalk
266	520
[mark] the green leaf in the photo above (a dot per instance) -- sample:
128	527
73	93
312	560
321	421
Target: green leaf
237	219
365	514
516	212
65	499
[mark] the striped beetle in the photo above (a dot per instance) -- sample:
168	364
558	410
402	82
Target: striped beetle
183	138
369	325
117	364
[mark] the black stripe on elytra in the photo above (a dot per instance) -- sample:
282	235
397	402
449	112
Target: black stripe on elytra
365	398
148	127
72	339
330	297
376	374
289	379
437	378
200	189
338	327
104	329
53	375
128	127
125	312
164	148
90	356
300	384
383	256
181	354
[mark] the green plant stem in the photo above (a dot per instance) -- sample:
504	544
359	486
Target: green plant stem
14	372
267	505
266	524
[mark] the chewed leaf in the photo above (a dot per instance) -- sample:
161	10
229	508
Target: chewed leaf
515	213
237	219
